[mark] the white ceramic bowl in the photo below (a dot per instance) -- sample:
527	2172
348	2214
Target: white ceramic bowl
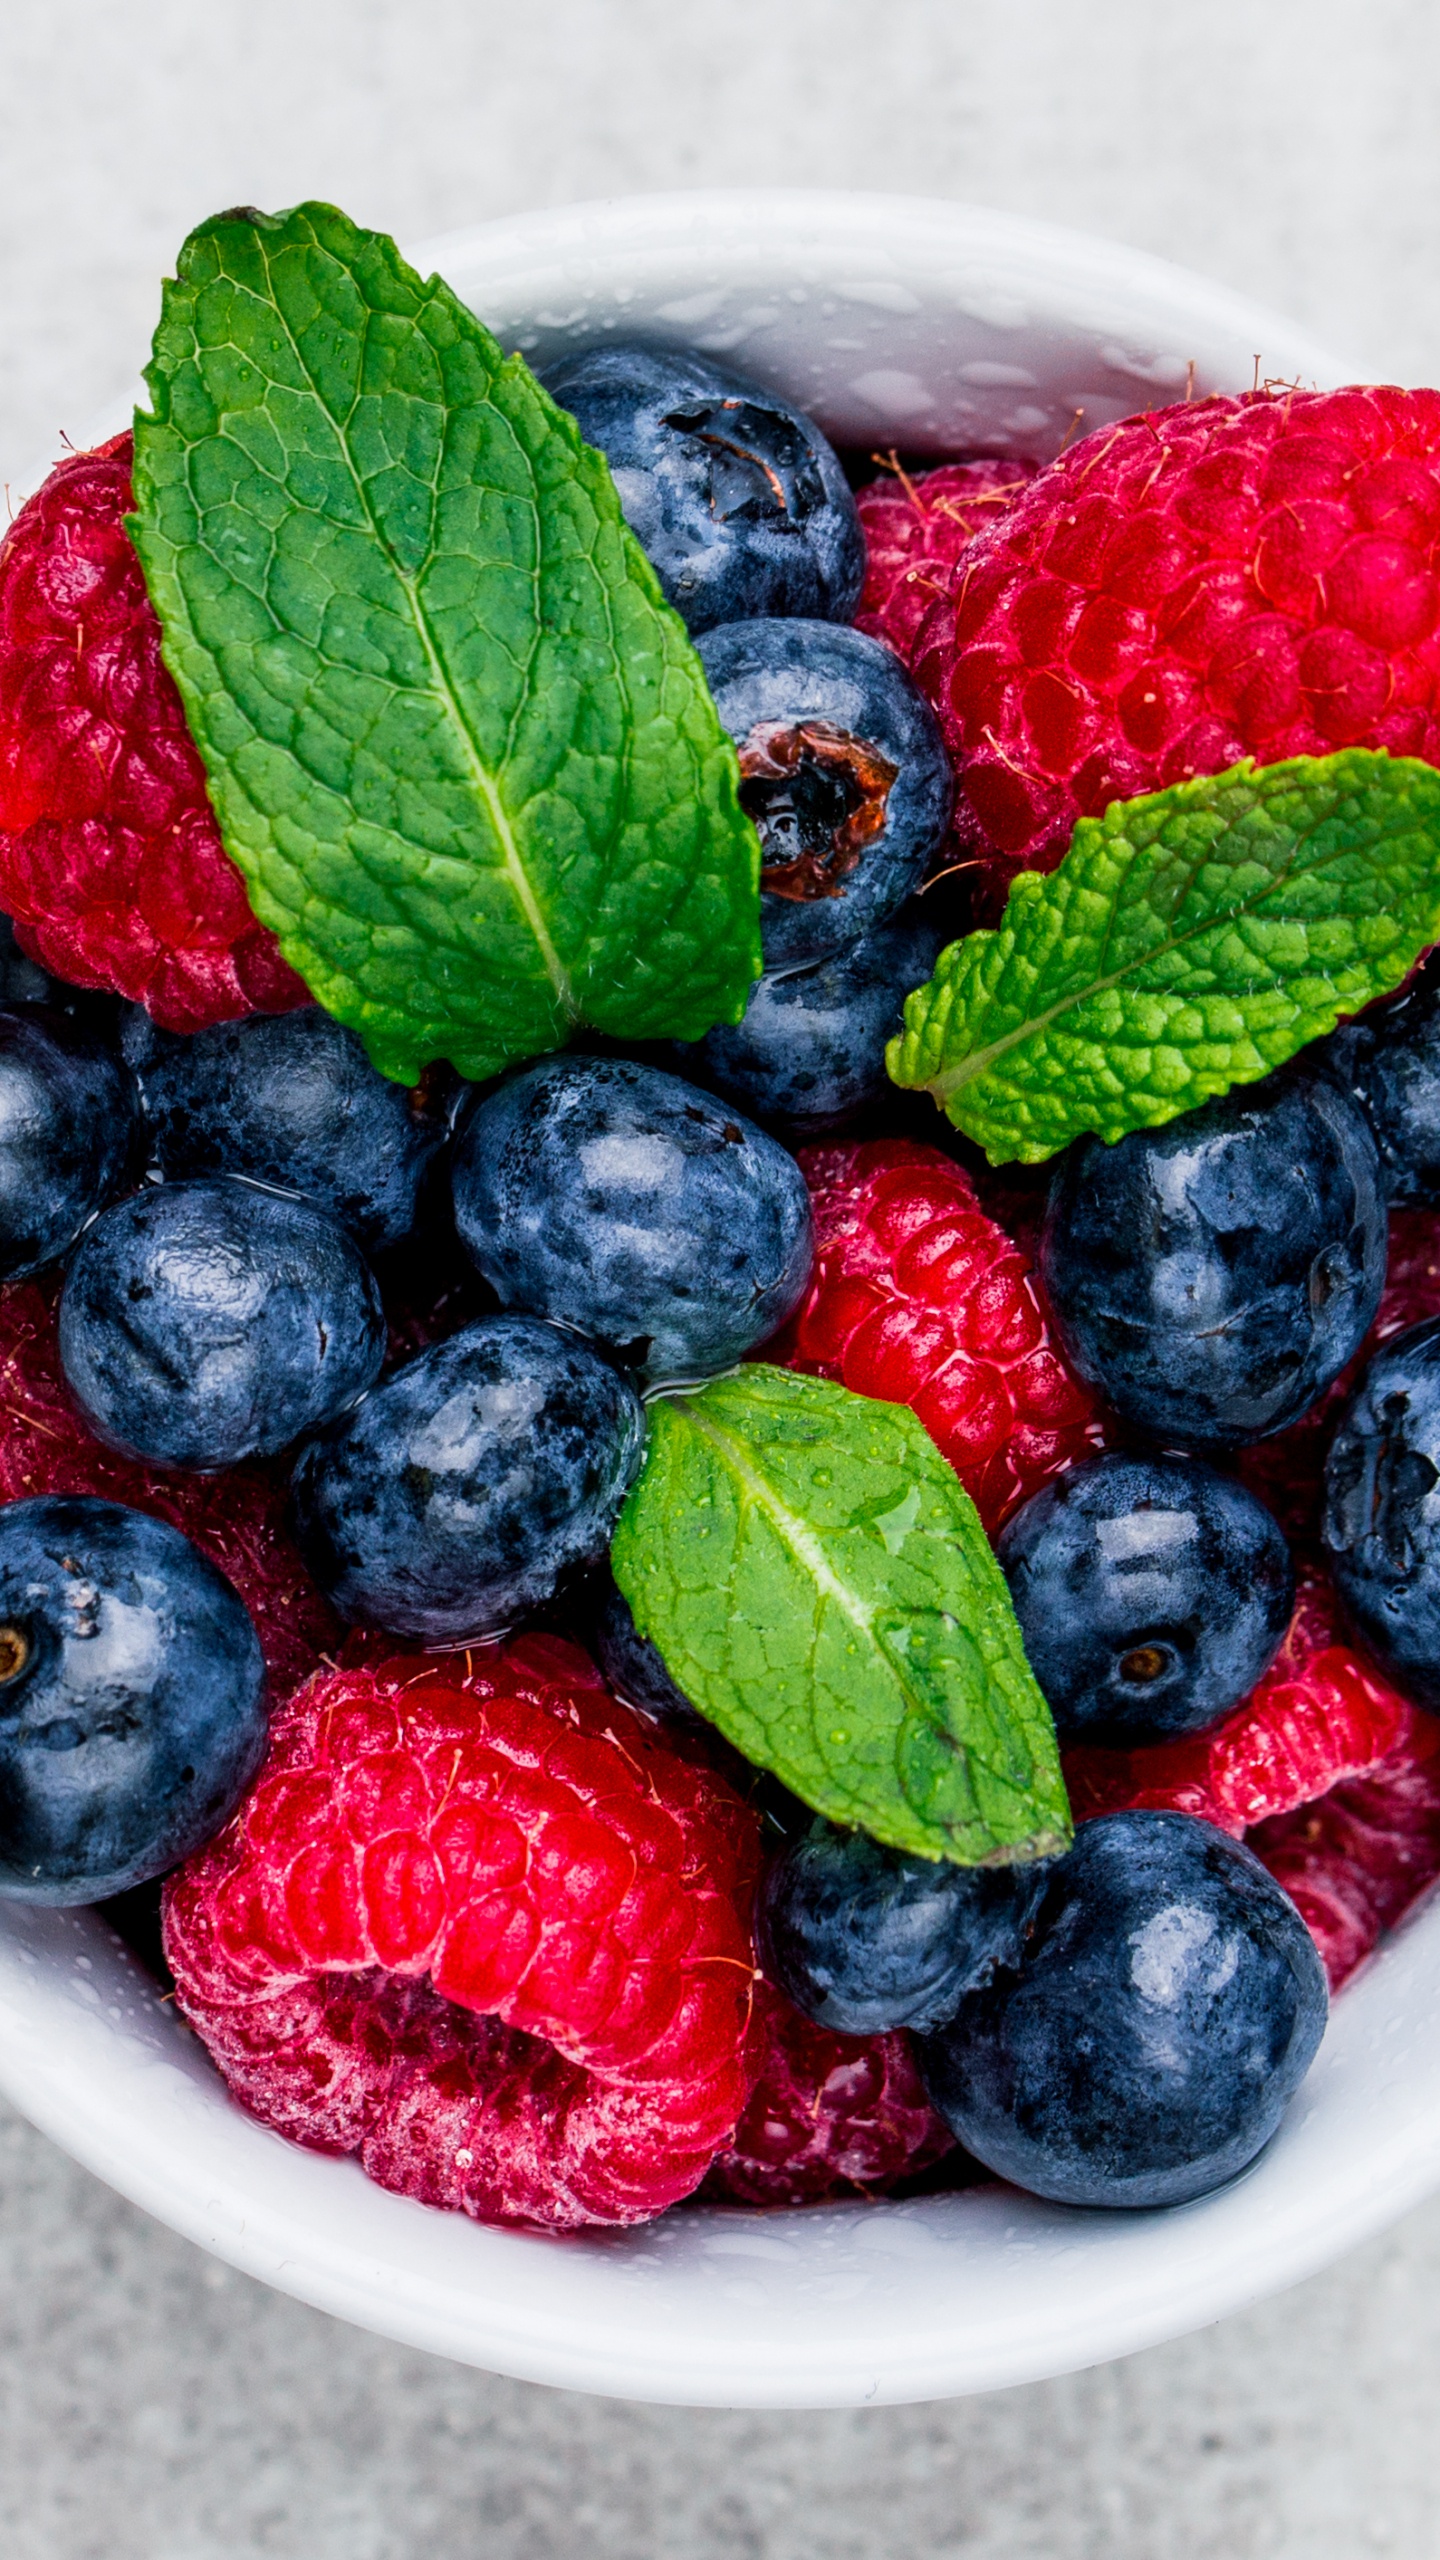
925	325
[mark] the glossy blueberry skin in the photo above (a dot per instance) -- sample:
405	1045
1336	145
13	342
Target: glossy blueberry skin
1168	2005
634	1666
1213	1276
1390	1062
458	1493
23	980
206	1322
612	1197
1382	1508
735	497
68	1121
810	1053
863	1938
290	1099
1151	1593
769	678
135	1720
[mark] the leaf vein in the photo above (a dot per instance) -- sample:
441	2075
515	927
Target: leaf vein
512	860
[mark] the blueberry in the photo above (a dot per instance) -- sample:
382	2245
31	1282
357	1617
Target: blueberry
634	1666
132	1699
290	1099
1168	2004
616	1199
138	1038
1151	1592
460	1491
843	770
863	1938
205	1322
1382	1508
68	1121
22	980
1213	1276
1391	1064
810	1053
735	496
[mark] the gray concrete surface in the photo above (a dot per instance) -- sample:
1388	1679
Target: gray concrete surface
152	2405
155	2406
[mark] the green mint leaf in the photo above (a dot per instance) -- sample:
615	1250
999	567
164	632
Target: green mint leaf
1188	941
817	1580
459	746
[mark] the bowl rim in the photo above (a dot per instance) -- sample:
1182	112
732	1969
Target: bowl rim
847	2305
824	2306
765	230
656	255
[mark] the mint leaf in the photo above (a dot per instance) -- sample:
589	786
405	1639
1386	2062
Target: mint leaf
459	746
818	1582
1188	941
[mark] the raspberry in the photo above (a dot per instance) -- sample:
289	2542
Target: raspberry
1354	1862
916	532
1235	577
1412	1276
1332	1777
1288	1471
480	1926
830	2115
110	859
1320	1715
920	1299
236	1519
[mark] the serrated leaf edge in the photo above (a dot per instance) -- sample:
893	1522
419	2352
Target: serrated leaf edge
172	651
948	1082
326	984
862	1616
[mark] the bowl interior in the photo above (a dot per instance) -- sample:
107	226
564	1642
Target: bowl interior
926	327
895	320
830	2306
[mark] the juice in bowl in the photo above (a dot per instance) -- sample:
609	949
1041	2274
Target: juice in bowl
901	1475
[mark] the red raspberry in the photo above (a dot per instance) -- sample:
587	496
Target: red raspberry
478	1924
1354	1862
237	1519
1412	1276
920	1299
1321	1714
830	2116
1235	577
916	532
1288	1472
1333	1779
110	859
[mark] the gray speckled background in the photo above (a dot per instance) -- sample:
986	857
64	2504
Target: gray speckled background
154	2406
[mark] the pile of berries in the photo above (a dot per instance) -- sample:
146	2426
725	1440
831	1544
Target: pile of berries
919	1298
917	535
321	1397
1220	579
